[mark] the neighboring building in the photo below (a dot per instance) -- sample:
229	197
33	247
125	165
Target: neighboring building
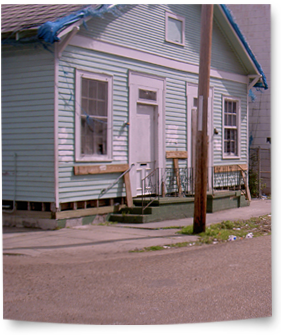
106	88
255	23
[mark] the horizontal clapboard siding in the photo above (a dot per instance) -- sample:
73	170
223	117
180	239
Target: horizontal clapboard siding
142	27
74	188
85	187
27	124
231	89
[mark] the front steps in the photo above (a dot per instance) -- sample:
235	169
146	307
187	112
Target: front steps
177	208
158	211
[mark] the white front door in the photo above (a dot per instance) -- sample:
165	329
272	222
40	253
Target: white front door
146	134
145	141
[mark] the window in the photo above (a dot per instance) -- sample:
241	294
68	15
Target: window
231	125
147	95
93	116
175	26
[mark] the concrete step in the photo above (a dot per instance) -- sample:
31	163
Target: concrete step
177	208
136	210
129	218
163	201
160	213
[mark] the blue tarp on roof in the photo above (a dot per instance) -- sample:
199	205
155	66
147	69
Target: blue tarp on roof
49	31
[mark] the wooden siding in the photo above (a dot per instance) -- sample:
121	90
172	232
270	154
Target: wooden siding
143	27
231	89
27	124
76	188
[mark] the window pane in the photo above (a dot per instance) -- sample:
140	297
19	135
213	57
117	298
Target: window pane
229	107
226	134
101	110
84	87
225	147
232	147
87	138
92	107
174	30
84	106
148	95
195	102
100	137
102	89
93	87
234	107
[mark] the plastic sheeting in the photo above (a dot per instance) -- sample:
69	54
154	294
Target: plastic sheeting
49	30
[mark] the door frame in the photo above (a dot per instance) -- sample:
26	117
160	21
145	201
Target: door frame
136	81
191	92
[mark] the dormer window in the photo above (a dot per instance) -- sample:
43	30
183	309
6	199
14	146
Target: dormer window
175	25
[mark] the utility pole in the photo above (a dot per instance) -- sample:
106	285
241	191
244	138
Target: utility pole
201	163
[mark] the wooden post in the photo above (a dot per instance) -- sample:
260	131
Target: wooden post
194	136
129	197
201	173
176	155
177	173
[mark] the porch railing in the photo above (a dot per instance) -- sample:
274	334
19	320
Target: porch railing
163	183
150	188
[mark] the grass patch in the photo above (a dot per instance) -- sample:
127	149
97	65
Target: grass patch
220	232
153	248
107	223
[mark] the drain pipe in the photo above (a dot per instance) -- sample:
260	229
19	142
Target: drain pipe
15	185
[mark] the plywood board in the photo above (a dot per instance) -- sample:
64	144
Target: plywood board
230	168
176	154
100	169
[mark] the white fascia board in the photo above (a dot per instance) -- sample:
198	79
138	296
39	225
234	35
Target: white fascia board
69	28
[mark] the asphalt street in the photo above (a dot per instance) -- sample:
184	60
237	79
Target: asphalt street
230	281
86	275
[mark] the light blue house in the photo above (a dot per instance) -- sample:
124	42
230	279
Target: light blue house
89	92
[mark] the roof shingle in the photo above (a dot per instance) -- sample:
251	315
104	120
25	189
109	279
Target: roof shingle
20	17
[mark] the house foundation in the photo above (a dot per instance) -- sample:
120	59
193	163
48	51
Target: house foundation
164	208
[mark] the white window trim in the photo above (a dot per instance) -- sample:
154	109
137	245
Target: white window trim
78	86
179	18
238	119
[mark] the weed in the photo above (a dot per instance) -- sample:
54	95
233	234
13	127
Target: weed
107	223
220	232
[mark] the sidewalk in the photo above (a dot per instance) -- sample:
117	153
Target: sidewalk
117	237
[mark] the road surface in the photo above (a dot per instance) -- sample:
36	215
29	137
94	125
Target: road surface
228	281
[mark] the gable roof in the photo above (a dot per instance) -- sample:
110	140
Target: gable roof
50	20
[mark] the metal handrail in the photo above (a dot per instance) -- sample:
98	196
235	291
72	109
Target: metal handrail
105	190
142	183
